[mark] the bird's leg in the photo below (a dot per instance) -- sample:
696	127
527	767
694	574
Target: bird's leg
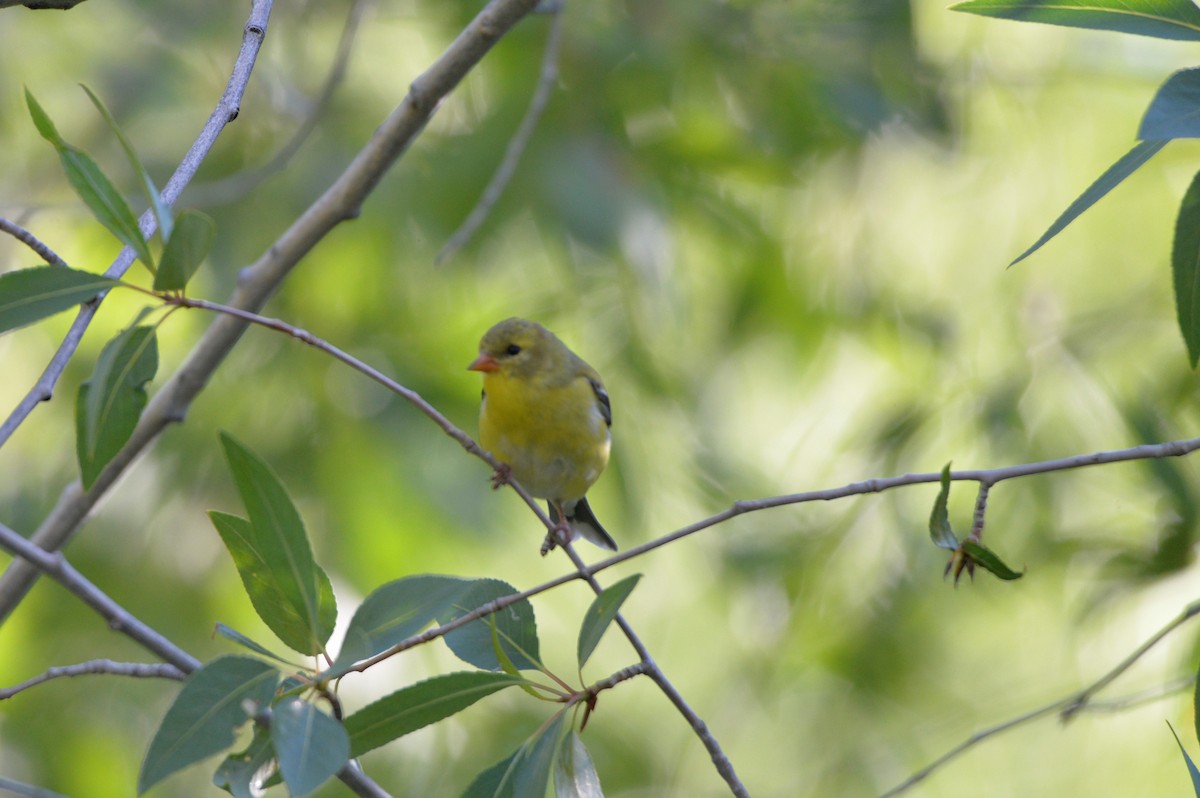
561	533
501	476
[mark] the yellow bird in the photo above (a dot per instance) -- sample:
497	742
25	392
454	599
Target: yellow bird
546	417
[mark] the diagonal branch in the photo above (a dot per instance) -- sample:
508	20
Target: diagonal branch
340	202
225	112
133	670
516	147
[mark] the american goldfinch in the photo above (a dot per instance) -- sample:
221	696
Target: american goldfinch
546	417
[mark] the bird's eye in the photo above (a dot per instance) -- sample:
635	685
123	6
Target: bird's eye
512	349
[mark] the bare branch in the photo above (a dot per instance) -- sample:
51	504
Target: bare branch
26	790
228	189
119	619
135	670
340	202
30	240
1066	707
225	112
516	147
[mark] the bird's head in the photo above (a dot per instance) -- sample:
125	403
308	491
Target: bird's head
516	347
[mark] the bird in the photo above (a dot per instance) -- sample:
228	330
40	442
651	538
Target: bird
546	417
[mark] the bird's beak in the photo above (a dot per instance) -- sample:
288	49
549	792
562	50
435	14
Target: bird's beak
484	363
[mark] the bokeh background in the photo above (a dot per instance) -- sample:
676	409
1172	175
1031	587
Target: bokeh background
780	232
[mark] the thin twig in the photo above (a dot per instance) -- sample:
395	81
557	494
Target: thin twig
340	202
228	189
1066	707
27	790
30	240
516	146
134	670
224	113
119	619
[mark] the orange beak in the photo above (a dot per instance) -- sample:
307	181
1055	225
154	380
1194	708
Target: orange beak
485	363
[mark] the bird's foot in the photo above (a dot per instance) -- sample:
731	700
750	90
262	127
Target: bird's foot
558	536
501	476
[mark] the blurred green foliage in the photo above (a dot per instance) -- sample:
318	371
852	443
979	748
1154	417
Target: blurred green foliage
779	230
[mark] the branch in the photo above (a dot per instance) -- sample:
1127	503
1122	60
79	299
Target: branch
135	670
225	112
119	619
33	242
26	790
1066	707
516	147
340	202
228	189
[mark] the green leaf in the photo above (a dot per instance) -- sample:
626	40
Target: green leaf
419	705
574	773
532	774
1191	766
496	781
1185	266
29	295
111	402
310	745
515	626
202	719
294	596
161	212
1174	113
230	633
1126	165
987	559
939	520
393	612
602	612
186	249
279	611
1196	707
1163	19
90	183
242	774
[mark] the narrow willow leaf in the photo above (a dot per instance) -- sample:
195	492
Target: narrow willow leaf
1196	707
602	612
574	773
30	295
1126	165
279	611
939	520
1174	113
202	719
1191	766
393	612
987	559
186	249
496	781
533	771
515	626
1185	267
419	705
277	549
230	633
243	774
111	402
161	212
1162	19
310	745
93	187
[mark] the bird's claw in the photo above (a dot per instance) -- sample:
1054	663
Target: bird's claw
501	476
558	536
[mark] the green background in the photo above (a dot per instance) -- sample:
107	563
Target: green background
779	230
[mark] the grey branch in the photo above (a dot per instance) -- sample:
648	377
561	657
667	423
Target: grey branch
340	202
33	242
225	112
1066	707
134	670
516	147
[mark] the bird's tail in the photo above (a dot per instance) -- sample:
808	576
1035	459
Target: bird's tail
583	524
